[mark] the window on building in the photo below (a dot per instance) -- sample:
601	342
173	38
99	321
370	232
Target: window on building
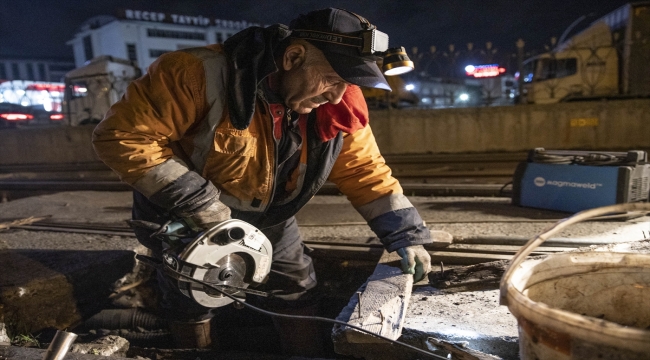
131	52
219	38
171	34
3	71
41	72
15	71
30	71
60	67
228	35
557	68
154	53
88	48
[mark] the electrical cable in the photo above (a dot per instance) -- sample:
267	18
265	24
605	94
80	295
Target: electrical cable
589	159
501	191
540	157
302	317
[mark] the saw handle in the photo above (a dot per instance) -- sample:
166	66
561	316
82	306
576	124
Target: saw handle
143	224
169	232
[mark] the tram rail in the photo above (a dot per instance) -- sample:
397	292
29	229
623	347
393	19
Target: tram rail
420	175
463	251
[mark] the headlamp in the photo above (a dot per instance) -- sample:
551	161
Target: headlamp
396	62
374	41
370	43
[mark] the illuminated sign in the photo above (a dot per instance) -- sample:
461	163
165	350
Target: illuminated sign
200	20
484	71
46	87
27	92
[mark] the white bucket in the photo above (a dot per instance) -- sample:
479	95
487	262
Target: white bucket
592	305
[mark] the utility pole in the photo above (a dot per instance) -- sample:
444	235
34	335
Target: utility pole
520	66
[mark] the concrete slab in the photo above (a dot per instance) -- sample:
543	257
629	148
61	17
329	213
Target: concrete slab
474	317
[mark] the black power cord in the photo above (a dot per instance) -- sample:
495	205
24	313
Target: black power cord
301	317
591	158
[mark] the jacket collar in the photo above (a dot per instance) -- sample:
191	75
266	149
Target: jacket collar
250	60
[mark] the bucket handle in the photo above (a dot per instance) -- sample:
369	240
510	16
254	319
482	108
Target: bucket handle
533	243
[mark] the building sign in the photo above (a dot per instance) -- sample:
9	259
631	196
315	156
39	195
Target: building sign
180	19
484	71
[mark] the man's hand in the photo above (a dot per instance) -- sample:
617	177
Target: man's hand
215	213
415	260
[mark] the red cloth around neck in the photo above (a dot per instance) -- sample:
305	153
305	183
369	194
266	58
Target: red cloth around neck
349	115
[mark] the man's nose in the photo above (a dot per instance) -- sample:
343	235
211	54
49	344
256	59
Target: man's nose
335	94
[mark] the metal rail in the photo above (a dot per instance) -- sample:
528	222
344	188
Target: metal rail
464	251
392	160
485	175
411	189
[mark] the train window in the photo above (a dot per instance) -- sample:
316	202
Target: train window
557	68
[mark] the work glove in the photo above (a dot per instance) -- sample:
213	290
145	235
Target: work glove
204	219
415	260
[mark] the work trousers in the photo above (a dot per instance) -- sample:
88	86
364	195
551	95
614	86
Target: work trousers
292	272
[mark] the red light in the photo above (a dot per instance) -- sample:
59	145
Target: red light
46	87
56	117
482	71
16	117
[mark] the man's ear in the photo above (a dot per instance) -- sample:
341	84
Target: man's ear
294	56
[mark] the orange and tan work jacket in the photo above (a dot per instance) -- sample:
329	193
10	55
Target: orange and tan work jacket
176	119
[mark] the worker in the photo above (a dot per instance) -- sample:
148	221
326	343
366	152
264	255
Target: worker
251	130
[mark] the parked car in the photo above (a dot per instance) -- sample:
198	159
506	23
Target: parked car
44	117
15	115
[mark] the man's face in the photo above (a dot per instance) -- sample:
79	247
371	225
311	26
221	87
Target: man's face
307	82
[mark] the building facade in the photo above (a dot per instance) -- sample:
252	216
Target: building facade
34	69
142	36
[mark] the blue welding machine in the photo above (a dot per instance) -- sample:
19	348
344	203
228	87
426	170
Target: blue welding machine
573	181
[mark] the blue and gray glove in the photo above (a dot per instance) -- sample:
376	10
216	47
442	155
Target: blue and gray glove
193	199
206	218
415	260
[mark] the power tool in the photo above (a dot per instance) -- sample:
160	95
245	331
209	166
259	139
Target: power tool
231	256
572	181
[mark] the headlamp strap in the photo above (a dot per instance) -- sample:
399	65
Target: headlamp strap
338	39
364	21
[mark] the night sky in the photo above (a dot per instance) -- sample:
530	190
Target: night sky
40	28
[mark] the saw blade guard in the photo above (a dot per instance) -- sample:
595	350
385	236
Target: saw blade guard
232	253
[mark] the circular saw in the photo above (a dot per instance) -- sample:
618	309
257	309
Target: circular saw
230	256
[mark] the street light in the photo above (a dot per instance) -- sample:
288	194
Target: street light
520	69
